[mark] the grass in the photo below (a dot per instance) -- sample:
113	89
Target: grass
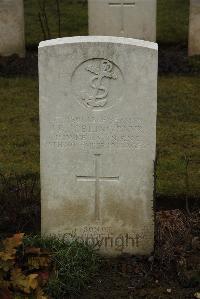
178	103
178	134
177	130
74	20
75	264
172	20
19	126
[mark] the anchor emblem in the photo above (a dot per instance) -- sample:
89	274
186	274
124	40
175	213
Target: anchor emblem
98	98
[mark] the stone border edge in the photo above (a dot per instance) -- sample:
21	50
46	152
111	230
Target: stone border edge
99	39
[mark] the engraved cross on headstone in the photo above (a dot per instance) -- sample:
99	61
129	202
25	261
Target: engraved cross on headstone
97	179
122	4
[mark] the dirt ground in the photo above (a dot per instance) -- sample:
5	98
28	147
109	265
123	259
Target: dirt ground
173	272
134	278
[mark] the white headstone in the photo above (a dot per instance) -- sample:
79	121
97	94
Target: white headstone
194	28
12	28
128	18
98	99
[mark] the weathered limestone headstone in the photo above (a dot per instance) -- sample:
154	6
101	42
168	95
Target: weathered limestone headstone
128	18
12	28
194	28
98	100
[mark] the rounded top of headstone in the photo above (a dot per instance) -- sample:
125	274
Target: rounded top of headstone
99	39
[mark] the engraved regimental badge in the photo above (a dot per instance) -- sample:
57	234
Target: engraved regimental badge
98	83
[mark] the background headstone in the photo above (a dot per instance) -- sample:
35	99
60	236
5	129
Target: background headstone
12	39
128	18
194	28
98	98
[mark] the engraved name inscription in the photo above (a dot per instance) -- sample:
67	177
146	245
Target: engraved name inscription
96	133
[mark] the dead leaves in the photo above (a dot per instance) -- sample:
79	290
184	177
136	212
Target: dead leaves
40	294
23	282
37	262
10	245
23	270
13	242
8	255
5	294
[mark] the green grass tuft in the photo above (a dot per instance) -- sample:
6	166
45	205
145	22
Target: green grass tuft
75	262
